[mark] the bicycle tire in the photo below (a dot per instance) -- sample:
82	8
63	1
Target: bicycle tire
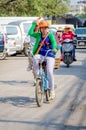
39	93
68	65
47	92
3	55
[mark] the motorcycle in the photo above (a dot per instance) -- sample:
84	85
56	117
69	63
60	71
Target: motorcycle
67	52
28	44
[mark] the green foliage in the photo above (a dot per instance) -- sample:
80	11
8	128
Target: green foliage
81	15
33	7
15	8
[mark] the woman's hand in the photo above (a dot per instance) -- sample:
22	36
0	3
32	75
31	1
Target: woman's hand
55	50
38	20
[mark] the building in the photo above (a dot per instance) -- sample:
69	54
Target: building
78	8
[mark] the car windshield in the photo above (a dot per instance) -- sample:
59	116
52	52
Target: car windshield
26	27
80	31
11	30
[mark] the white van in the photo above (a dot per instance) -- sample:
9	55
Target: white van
24	26
10	43
13	32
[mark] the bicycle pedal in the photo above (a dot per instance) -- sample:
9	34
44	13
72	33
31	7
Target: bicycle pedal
38	77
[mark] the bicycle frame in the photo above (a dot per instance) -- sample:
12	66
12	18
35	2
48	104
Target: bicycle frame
42	83
43	73
43	77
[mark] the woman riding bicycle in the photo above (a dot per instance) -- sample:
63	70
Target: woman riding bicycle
49	43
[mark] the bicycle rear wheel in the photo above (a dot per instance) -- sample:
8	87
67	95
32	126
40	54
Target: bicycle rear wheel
39	93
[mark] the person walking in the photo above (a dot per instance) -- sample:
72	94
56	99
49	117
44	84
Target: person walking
58	37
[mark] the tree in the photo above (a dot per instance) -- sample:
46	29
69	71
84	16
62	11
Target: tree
13	8
48	7
3	3
33	7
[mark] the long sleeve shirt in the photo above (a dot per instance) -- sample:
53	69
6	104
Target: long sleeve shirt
50	39
68	35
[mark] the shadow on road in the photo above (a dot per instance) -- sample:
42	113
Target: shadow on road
15	82
45	125
18	101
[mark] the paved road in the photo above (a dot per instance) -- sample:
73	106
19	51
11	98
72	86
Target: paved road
18	109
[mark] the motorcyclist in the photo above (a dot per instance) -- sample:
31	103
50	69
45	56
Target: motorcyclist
49	43
68	34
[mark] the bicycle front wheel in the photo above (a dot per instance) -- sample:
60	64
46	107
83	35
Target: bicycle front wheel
39	93
47	92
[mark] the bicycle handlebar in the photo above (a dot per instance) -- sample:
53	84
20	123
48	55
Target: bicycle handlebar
50	50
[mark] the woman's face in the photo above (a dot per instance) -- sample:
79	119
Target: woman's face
66	30
44	30
59	32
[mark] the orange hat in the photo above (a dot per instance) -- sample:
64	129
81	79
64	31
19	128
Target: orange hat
43	23
67	29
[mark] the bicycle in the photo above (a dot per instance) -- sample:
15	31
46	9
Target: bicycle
42	84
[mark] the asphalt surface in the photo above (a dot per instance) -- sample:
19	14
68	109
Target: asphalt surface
18	108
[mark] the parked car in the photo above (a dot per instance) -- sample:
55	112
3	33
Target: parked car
24	26
81	36
10	46
14	34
